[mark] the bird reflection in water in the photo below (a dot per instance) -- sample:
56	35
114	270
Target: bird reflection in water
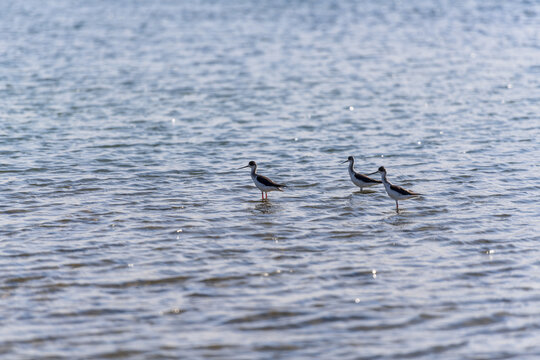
265	207
400	219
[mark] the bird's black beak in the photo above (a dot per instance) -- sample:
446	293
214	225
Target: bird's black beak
343	162
242	167
373	172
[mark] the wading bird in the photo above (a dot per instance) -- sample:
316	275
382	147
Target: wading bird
262	182
358	179
394	191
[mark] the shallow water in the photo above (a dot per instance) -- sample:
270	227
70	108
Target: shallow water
126	232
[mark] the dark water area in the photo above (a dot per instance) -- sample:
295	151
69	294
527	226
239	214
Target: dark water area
127	233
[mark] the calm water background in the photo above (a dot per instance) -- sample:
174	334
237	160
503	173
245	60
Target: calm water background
125	231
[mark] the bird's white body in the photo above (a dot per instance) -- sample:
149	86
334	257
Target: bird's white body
394	194
358	182
261	186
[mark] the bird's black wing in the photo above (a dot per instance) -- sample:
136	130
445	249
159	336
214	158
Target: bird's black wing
266	181
366	179
402	191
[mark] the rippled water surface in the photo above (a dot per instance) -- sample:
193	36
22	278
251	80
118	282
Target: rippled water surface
126	232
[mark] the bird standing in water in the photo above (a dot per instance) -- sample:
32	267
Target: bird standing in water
394	191
358	179
262	182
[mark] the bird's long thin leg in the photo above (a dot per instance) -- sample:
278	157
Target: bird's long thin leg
266	196
262	195
397	207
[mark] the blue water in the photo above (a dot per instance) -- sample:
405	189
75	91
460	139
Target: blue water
126	232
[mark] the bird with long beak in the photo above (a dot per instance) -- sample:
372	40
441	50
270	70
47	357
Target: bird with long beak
358	179
394	191
262	182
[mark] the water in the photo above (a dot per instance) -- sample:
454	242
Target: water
125	231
